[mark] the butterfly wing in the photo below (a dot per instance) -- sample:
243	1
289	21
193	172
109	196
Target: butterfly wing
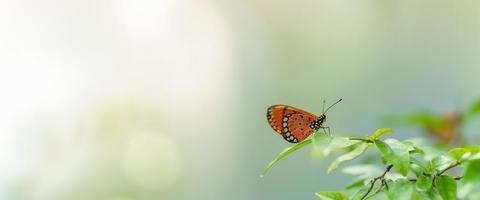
292	123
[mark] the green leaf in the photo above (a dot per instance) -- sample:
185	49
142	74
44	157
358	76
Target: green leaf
419	163
321	141
284	153
475	107
459	154
440	162
421	195
362	171
358	150
342	142
425	119
424	182
433	194
472	111
417	166
395	153
472	149
339	143
447	187
475	152
400	189
412	148
416	169
380	132
356	184
360	193
471	178
332	195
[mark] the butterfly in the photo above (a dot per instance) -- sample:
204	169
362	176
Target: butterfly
295	124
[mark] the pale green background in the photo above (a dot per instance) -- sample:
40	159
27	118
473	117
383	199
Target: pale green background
144	99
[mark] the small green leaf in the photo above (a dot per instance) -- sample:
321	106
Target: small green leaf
472	149
418	167
358	150
459	154
432	194
421	195
380	132
317	154
339	143
424	182
475	107
321	141
447	187
400	189
472	111
417	170
475	152
440	162
362	171
412	148
395	153
425	119
332	195
420	164
356	184
284	153
361	192
342	142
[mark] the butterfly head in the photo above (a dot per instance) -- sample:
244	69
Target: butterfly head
323	118
318	123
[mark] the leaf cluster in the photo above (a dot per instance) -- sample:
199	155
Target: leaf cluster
408	172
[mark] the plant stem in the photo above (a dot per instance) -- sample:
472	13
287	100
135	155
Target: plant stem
457	178
361	139
446	169
449	167
372	182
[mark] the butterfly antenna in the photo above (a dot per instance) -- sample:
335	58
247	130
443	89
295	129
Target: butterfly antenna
331	106
323	107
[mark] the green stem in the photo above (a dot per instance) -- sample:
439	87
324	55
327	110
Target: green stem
361	139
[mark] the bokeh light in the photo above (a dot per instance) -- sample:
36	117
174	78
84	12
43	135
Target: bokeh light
152	161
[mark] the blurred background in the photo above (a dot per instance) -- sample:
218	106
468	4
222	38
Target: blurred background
166	99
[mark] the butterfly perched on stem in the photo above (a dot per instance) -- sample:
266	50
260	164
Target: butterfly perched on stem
295	124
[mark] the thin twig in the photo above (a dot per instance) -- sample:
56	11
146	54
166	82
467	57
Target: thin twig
449	167
457	178
372	182
380	188
444	170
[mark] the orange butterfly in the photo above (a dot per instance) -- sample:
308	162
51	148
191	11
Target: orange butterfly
295	124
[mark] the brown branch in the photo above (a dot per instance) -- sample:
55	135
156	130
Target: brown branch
448	168
372	182
457	178
444	170
384	183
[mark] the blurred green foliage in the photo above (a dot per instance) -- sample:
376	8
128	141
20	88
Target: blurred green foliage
445	128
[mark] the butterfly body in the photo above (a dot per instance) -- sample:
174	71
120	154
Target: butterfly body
293	124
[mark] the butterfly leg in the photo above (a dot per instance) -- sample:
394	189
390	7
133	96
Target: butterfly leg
324	131
327	128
